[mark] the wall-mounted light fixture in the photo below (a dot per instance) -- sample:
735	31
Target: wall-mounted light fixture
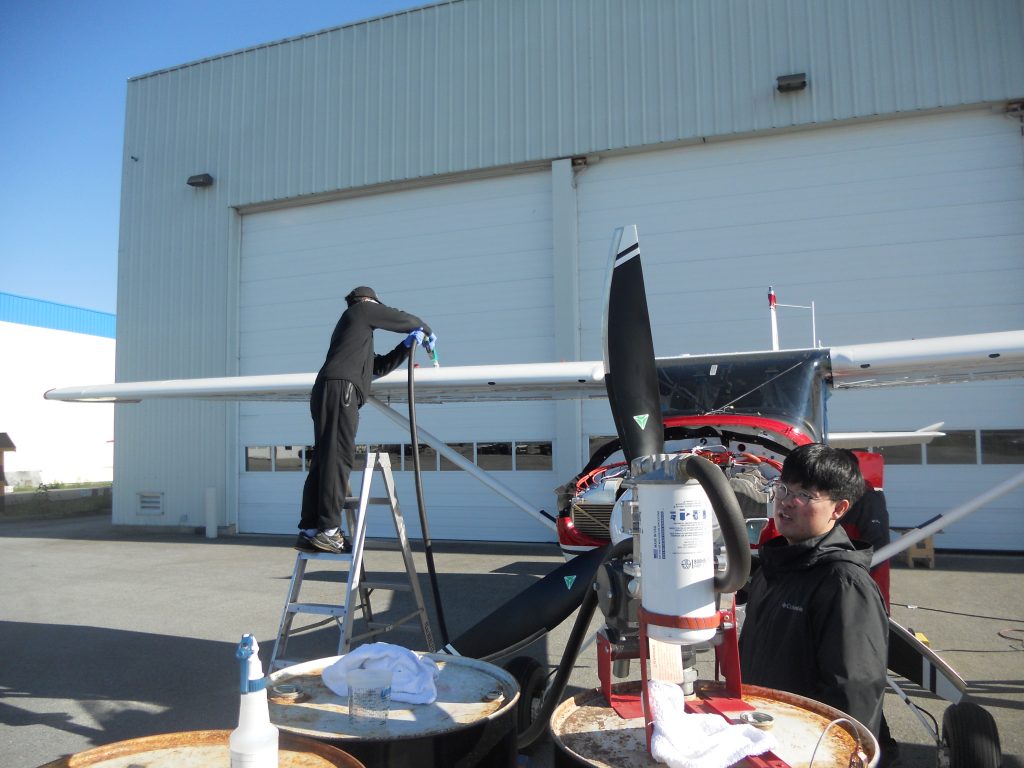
200	180
790	83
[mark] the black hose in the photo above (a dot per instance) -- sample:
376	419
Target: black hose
730	521
428	548
553	695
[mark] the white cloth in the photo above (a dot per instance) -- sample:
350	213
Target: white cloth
412	676
685	740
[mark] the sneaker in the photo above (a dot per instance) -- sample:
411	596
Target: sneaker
304	543
336	544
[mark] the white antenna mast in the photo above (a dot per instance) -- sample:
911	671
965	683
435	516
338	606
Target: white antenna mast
775	323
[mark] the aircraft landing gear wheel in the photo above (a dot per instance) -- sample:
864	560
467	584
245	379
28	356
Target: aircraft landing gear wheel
530	676
969	737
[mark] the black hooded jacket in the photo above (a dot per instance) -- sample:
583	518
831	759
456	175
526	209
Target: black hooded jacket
350	355
816	625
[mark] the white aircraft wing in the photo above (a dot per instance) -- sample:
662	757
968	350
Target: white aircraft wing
942	360
882	439
532	381
896	363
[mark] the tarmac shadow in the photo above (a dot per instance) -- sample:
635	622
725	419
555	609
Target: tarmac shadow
466	600
130	684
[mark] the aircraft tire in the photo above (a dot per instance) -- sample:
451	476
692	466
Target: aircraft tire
970	737
529	674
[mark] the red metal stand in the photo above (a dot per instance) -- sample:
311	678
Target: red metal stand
727	663
626	704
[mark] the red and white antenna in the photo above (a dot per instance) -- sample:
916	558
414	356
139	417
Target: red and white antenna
772	309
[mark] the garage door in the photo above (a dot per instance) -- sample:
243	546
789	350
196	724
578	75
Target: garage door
471	258
894	229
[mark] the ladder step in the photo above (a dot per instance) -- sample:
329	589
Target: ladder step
393	586
343	557
324	609
394	624
352	502
379	627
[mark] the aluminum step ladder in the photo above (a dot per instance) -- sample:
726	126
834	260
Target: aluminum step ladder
358	588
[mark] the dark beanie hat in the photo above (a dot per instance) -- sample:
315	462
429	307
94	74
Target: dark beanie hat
362	292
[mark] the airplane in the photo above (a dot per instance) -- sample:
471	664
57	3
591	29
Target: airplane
743	410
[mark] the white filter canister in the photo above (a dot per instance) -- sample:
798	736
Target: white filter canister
677	557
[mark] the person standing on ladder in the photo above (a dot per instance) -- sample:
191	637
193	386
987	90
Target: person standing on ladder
338	393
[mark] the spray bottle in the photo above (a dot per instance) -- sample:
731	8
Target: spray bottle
253	743
432	351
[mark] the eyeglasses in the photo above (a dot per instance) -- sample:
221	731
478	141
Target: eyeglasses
781	492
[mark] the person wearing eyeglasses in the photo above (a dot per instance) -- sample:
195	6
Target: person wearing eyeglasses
815	621
338	393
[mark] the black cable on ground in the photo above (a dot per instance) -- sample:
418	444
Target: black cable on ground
428	548
955	613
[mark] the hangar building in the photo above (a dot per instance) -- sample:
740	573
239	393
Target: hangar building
470	160
54	443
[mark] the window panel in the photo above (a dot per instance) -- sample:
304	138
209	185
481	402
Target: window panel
494	456
394	452
533	457
257	458
1002	446
359	459
957	447
288	458
428	459
596	441
901	454
465	450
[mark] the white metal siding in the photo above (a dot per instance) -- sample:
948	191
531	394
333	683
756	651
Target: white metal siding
485	83
473	260
906	215
54	443
895	229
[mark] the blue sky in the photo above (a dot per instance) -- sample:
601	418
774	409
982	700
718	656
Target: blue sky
64	68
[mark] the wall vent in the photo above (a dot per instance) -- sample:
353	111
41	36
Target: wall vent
151	503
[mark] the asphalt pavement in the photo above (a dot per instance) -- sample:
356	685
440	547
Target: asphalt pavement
111	632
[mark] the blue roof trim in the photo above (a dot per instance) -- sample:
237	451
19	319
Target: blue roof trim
59	317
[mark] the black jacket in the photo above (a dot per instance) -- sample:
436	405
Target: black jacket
816	625
350	355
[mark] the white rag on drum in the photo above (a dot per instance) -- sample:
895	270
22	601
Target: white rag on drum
412	676
690	740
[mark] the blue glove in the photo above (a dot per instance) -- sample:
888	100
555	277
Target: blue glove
430	342
416	337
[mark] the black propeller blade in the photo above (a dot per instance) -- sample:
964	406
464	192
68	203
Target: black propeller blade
632	382
631	376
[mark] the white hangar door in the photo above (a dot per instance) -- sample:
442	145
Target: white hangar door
474	260
895	229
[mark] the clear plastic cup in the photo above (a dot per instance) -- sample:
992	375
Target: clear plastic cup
369	697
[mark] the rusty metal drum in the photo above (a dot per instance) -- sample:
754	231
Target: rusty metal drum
588	732
472	722
202	749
